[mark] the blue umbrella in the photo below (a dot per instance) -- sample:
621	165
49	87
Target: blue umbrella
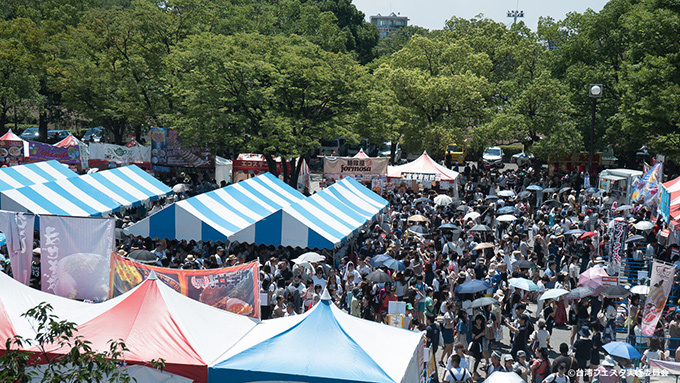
534	188
394	264
622	350
3	239
575	232
506	210
523	283
379	260
471	287
490	197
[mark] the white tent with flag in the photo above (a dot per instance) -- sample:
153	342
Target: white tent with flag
424	166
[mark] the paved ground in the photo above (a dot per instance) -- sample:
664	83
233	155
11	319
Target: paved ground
559	335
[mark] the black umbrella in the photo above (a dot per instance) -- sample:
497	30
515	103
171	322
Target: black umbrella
580	292
462	208
418	229
483	302
552	202
142	256
523	264
565	189
506	210
524	194
549	190
379	276
448	226
615	291
480	228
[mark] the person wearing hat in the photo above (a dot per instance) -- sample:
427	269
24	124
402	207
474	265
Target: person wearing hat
495	364
508	361
189	263
606	372
583	348
219	255
521	366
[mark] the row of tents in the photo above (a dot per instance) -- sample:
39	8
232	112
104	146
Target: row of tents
260	210
204	344
51	188
265	210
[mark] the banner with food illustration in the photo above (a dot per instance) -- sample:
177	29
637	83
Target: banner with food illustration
75	256
167	149
11	152
38	151
659	289
234	289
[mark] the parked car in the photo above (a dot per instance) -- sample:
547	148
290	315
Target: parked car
94	134
30	134
385	150
54	136
335	147
522	159
364	145
492	157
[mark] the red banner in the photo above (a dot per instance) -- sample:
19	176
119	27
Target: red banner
234	289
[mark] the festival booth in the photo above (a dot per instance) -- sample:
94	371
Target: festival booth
129	186
669	207
70	156
69	197
425	172
156	322
249	165
13	150
223	169
325	345
104	156
83	149
14	177
218	214
325	220
361	167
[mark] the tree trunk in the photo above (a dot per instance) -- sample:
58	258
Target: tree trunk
286	175
296	172
271	164
42	125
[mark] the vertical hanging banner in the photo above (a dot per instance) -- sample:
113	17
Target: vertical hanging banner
18	229
75	256
659	289
618	239
234	289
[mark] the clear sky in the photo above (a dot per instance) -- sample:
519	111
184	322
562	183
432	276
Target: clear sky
432	14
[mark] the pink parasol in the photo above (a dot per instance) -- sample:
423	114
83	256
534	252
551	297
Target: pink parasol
593	278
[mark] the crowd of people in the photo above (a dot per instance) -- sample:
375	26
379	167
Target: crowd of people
439	247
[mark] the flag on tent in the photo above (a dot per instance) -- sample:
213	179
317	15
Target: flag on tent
647	188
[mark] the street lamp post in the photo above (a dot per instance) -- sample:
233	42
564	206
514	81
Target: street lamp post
595	92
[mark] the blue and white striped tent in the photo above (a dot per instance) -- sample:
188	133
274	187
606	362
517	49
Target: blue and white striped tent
129	186
325	220
14	177
70	197
217	215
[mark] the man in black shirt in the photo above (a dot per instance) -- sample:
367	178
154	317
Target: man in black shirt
521	335
568	361
432	334
35	271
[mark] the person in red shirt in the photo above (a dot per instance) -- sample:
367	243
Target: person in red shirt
389	294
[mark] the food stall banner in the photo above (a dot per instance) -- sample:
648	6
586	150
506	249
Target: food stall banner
345	166
75	256
167	149
38	151
234	289
659	289
11	152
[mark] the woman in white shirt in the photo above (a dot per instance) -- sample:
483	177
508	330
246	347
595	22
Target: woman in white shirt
653	352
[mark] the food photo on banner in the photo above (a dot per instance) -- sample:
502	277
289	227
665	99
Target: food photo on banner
234	289
659	289
11	152
75	256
